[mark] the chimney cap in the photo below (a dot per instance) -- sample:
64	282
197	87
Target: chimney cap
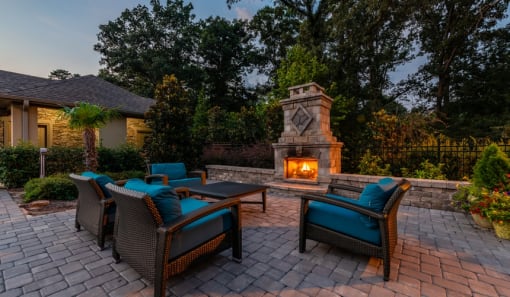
306	89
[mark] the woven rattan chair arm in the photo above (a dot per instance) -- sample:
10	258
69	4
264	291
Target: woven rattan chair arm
200	213
344	204
149	178
332	187
121	182
107	202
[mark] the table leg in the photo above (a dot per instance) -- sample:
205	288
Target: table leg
264	201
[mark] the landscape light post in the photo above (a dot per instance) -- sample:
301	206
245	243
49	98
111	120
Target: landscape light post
42	171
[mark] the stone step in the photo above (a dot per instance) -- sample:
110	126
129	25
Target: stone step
295	190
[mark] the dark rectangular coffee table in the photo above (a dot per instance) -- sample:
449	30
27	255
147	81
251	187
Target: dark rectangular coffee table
223	190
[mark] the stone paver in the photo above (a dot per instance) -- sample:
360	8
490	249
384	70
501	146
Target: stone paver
439	254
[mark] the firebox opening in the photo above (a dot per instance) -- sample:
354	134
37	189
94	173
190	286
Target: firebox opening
303	168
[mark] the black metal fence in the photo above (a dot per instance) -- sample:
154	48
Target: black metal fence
457	156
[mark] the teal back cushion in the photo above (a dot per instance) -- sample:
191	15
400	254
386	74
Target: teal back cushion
164	197
172	170
375	196
101	181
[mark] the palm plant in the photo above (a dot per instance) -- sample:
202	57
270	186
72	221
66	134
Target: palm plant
88	117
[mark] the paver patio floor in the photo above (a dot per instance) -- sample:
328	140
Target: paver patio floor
439	254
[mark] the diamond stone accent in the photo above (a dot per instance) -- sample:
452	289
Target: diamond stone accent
301	119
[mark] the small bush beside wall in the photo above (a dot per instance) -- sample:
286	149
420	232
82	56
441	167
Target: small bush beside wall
50	188
18	164
21	163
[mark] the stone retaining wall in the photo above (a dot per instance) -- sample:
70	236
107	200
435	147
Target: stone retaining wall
425	193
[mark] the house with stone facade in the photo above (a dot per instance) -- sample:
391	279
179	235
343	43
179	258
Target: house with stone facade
29	110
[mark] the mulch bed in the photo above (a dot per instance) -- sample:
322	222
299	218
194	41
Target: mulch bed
40	207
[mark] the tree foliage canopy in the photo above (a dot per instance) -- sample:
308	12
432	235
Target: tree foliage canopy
170	120
455	53
88	117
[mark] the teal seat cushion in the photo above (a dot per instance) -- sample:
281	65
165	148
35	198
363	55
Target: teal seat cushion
164	197
101	181
373	197
341	220
172	170
201	230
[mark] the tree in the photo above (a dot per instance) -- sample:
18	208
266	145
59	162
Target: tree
277	30
480	103
171	121
226	53
299	67
314	26
88	117
61	74
449	30
142	45
369	39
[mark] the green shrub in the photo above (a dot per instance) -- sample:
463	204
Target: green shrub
371	165
122	158
426	170
465	196
492	169
21	163
18	164
50	188
64	160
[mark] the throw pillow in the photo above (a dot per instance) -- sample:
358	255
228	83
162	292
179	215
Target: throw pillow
375	196
101	181
164	197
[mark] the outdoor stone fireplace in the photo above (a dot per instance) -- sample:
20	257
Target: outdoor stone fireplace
307	151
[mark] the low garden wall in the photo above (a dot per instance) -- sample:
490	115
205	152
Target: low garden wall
425	193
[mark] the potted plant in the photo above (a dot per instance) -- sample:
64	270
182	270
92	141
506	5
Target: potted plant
478	207
498	212
490	176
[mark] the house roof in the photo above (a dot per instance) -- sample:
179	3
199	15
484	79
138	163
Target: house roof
87	88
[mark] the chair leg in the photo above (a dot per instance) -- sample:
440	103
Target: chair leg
100	241
302	244
115	254
302	238
237	249
386	268
159	288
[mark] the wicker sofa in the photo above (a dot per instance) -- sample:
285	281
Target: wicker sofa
351	224
158	248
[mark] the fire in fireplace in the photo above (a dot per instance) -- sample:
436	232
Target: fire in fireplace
301	168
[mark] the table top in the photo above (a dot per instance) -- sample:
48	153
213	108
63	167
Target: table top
227	189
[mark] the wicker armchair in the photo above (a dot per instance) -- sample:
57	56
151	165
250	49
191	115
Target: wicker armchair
156	250
174	174
95	209
348	218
